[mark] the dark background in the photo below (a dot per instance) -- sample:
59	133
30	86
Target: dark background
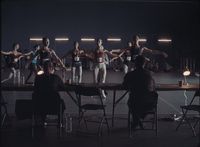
178	20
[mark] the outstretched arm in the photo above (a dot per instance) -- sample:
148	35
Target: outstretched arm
28	54
115	51
58	59
110	54
6	53
145	49
90	56
157	52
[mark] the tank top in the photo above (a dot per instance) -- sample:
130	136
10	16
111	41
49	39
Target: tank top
76	56
44	55
127	55
135	51
13	61
100	56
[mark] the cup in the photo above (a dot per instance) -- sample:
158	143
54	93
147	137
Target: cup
180	83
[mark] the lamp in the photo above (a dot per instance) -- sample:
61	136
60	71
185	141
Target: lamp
40	72
186	72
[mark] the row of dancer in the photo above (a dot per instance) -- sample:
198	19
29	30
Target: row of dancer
39	56
99	56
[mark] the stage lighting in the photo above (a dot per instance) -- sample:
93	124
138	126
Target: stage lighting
164	40
114	39
35	39
142	40
62	39
88	39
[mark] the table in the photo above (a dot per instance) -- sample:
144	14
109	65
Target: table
106	86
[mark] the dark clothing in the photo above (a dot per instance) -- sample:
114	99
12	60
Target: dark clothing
127	57
46	95
48	83
76	64
10	60
43	56
142	93
135	51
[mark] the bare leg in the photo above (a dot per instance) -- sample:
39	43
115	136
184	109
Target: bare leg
103	80
18	76
104	73
80	74
96	74
125	68
9	77
73	74
29	76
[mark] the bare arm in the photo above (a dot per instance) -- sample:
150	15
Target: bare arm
156	52
145	49
28	54
110	54
115	51
90	56
6	53
58	59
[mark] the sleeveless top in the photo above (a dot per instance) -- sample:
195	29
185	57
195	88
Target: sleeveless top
135	51
13	61
76	56
127	56
100	57
44	55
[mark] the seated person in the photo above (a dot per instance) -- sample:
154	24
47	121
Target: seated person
142	91
46	96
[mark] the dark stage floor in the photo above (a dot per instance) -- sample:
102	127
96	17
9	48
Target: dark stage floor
19	134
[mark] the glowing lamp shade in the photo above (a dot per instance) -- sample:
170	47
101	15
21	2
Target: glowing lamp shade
40	72
186	72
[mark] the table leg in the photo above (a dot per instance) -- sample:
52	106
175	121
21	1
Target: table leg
113	109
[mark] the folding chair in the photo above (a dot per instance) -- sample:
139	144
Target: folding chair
42	108
190	107
151	112
92	93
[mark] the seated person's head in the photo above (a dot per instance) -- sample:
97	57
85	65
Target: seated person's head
139	61
48	67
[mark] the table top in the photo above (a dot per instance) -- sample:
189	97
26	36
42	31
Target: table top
106	86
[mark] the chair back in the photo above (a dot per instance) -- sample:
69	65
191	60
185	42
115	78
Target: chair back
87	91
82	91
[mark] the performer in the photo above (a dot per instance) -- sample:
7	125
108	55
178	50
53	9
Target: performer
134	50
14	57
77	63
45	53
99	58
33	66
125	57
